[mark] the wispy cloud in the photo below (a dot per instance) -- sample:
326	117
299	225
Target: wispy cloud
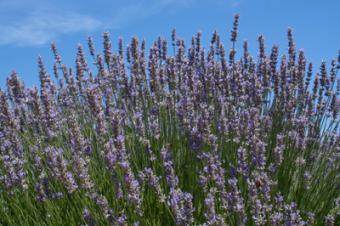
42	28
47	20
36	22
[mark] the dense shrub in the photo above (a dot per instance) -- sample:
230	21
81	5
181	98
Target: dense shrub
186	136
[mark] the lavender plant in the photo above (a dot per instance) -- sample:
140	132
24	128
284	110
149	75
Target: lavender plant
192	137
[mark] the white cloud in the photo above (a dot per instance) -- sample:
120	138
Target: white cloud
42	28
37	22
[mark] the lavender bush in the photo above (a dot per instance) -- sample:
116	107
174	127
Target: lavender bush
183	136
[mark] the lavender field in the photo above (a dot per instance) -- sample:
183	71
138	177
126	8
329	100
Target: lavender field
173	134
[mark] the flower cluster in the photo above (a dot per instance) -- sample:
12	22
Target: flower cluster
192	137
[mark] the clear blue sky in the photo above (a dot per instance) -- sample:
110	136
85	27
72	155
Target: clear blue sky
27	27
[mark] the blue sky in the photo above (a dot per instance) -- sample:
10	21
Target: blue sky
27	27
